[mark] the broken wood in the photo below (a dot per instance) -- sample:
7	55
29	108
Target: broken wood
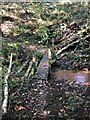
5	101
44	68
69	45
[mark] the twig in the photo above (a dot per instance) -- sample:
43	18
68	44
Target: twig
5	101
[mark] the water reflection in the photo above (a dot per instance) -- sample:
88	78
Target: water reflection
80	76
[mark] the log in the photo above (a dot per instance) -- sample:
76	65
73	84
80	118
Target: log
5	101
44	68
64	48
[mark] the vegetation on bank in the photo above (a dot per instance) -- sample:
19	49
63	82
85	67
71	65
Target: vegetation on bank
29	30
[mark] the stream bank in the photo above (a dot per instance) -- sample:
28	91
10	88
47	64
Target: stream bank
60	96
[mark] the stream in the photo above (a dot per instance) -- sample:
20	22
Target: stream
78	76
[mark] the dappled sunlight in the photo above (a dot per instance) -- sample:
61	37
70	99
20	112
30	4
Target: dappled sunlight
6	27
40	21
32	47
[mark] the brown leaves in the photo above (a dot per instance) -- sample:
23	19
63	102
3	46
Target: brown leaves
19	107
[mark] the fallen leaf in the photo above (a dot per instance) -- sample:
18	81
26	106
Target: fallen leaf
17	107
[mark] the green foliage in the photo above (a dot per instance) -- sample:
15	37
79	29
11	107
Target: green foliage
37	8
15	81
19	28
7	49
43	33
39	54
14	46
71	103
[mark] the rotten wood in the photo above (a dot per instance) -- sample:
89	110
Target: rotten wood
44	68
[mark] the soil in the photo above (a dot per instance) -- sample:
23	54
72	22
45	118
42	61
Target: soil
44	100
58	97
55	98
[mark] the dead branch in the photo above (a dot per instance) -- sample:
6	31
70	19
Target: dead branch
68	38
23	66
29	68
49	55
27	74
33	66
5	101
64	48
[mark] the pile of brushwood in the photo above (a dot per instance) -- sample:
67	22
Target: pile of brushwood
28	93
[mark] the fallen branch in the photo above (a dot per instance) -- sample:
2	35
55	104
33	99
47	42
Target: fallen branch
49	55
23	66
64	48
70	38
33	66
29	68
5	101
27	74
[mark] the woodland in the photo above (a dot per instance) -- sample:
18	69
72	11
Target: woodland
38	39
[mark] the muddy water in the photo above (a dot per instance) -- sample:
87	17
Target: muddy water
80	76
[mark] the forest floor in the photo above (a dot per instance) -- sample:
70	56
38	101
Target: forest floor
24	34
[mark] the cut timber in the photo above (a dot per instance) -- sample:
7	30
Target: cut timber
44	68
